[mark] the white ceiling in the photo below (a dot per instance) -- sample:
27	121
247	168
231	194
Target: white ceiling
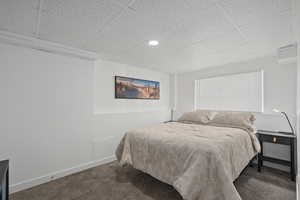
193	34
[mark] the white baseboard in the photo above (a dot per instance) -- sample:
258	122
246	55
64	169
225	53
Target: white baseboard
49	177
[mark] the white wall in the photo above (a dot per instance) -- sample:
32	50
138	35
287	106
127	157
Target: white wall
46	104
280	82
298	112
105	101
113	117
297	28
57	114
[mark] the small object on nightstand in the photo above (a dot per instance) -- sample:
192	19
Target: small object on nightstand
172	114
277	138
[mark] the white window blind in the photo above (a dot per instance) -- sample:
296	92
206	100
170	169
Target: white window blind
238	92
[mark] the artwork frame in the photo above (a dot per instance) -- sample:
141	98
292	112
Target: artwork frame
134	88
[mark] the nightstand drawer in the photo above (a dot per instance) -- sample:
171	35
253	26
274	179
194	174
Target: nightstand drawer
275	139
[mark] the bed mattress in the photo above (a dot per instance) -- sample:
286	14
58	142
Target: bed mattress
201	162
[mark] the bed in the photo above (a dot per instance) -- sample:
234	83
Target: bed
200	157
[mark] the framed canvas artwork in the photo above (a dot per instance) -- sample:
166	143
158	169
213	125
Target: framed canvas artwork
132	88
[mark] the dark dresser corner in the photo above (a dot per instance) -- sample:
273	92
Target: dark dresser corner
4	180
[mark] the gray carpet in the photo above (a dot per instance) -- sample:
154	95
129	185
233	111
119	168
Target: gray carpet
112	182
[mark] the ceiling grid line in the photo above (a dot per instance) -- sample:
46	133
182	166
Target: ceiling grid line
117	15
127	6
231	21
38	20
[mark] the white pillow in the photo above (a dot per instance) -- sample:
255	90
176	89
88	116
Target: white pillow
198	116
243	120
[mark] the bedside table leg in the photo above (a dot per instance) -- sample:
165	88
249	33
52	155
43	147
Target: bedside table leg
292	160
7	185
260	156
259	162
261	153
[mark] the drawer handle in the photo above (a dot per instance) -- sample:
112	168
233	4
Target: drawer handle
274	139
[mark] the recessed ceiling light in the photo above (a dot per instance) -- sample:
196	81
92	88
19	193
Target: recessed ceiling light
153	43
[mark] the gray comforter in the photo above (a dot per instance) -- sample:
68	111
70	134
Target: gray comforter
200	161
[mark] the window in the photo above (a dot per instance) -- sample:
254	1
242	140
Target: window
238	92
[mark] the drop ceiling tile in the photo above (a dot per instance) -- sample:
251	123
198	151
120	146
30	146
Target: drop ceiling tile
224	42
208	21
153	56
200	56
246	11
187	37
124	3
73	22
200	4
273	31
238	7
18	16
157	15
242	53
193	55
150	55
251	5
199	50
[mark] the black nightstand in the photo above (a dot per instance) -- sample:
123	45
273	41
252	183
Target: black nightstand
277	138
